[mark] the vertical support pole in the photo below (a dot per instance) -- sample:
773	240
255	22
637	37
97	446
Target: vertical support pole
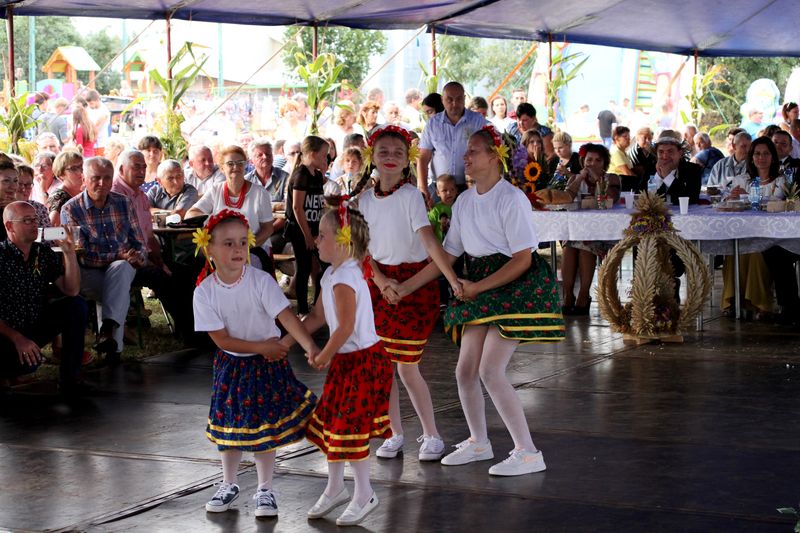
125	41
10	33
31	54
695	61
169	46
220	74
737	299
315	42
433	49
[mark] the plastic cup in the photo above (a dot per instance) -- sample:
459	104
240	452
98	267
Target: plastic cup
683	202
630	199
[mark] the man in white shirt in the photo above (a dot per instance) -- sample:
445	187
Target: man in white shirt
203	173
733	165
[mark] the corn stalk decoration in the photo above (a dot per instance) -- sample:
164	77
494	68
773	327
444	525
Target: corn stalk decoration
168	127
703	95
17	121
563	69
322	77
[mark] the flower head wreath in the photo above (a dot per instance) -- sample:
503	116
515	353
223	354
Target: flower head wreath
202	238
499	147
413	150
344	236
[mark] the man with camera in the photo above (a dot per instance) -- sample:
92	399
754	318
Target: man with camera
31	314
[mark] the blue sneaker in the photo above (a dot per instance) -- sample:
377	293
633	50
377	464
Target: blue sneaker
224	497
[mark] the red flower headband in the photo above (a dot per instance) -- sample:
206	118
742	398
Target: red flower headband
222	215
495	135
202	237
385	129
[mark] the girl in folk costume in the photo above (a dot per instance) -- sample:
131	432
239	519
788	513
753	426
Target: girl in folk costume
510	297
257	404
402	240
354	406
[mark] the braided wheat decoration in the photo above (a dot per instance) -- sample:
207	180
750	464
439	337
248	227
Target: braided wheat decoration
653	311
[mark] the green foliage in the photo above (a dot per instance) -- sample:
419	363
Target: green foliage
321	77
52	32
351	48
185	67
739	73
564	69
17	121
102	47
476	62
793	512
705	94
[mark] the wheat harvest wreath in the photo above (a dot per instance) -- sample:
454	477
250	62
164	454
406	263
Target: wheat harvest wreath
652	313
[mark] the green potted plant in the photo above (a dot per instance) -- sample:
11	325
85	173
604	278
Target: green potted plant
16	122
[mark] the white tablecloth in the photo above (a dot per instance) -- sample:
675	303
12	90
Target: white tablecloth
755	230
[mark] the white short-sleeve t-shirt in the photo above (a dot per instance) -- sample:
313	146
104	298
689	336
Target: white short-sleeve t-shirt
497	221
246	309
257	206
393	223
350	274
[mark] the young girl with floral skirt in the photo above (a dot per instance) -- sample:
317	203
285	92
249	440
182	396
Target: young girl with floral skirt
257	404
402	240
510	297
354	406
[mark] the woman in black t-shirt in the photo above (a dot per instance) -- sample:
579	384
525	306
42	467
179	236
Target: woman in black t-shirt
304	206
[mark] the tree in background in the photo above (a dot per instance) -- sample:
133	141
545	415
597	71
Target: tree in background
52	32
482	64
738	74
352	49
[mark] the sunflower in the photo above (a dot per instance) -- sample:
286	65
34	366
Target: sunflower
532	172
201	238
528	187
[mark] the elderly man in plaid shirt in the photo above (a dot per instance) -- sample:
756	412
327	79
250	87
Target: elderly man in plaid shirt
113	241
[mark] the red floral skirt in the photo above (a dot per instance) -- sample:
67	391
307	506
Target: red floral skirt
404	328
354	406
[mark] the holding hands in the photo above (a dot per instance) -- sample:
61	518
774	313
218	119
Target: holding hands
273	349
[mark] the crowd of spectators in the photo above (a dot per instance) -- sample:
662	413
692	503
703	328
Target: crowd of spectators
110	188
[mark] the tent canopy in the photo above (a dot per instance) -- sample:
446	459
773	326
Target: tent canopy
710	28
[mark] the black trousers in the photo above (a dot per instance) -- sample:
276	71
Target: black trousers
303	259
781	267
174	291
65	316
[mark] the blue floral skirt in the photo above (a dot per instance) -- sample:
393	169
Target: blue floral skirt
256	405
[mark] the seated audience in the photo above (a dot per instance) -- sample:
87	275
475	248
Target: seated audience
735	164
171	192
203	173
68	167
45	182
151	148
30	315
24	188
706	156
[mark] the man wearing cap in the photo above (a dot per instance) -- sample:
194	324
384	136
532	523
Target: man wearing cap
675	176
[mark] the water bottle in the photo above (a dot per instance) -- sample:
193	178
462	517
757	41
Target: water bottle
755	194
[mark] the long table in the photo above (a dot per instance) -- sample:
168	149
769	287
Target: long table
716	232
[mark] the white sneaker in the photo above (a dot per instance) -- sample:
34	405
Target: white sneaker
519	462
432	448
325	504
265	503
391	447
468	451
223	498
354	514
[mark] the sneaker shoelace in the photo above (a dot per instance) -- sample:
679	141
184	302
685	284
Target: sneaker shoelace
222	491
427	441
394	441
462	444
513	456
264	498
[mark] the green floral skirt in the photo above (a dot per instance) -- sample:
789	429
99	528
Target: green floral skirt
528	309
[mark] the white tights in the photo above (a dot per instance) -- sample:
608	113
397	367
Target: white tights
483	357
363	488
420	397
265	464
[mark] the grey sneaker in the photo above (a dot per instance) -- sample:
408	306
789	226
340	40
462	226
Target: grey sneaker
519	462
265	503
467	452
223	498
391	447
432	448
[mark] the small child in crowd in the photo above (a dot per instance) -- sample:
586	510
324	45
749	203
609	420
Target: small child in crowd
354	406
352	162
257	404
442	212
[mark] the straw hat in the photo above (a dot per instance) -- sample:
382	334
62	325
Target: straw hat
670	136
